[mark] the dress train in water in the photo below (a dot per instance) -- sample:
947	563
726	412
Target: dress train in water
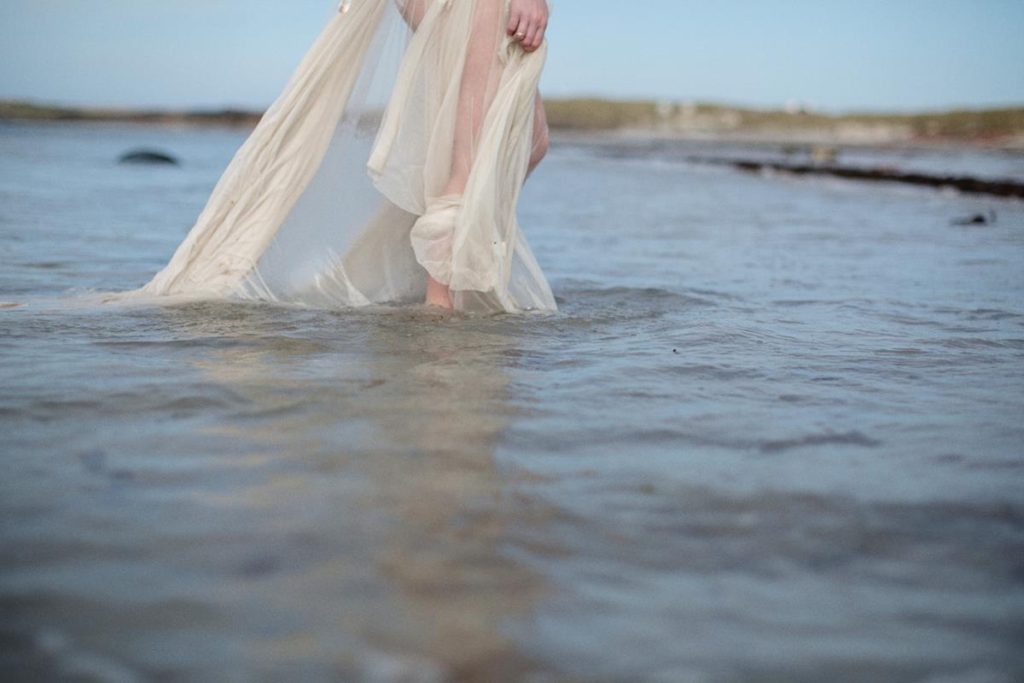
398	148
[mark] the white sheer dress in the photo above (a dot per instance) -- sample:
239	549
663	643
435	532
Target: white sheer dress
398	148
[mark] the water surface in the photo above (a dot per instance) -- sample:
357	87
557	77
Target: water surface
773	433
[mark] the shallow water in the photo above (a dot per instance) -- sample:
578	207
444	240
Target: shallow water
773	433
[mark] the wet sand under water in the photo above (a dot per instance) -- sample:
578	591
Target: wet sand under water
773	433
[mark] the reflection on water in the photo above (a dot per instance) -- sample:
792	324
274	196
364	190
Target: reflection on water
427	402
329	505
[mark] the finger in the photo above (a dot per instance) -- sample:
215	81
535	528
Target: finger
524	27
530	41
541	32
527	46
515	18
523	30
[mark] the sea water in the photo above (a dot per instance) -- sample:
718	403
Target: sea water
773	433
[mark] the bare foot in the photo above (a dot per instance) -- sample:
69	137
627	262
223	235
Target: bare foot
437	294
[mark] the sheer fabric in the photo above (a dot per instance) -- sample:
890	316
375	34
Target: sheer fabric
398	148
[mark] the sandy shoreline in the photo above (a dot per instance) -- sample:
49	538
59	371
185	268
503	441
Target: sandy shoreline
794	140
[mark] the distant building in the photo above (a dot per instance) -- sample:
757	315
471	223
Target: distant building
664	109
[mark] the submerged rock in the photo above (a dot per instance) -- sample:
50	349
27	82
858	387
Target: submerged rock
147	156
976	219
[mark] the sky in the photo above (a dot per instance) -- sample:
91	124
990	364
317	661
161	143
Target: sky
832	55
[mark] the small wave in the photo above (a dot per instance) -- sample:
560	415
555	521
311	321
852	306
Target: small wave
991	314
184	343
52	654
977	343
200	399
47	265
708	371
677	435
635	297
853	438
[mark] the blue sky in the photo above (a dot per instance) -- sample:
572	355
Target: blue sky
832	54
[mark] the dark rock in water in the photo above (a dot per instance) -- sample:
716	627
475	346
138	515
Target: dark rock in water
146	156
967	184
976	219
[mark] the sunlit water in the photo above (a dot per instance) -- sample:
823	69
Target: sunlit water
774	433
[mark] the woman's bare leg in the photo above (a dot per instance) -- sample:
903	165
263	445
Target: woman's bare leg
437	292
412	11
540	134
476	90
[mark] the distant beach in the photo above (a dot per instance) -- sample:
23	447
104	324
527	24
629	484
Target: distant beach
991	128
795	124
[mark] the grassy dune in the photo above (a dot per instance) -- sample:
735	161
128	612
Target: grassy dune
26	111
605	114
978	126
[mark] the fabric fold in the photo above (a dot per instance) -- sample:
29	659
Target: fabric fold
432	235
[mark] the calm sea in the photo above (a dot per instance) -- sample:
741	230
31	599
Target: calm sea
775	432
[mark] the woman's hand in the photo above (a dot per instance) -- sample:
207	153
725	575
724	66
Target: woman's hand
527	20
